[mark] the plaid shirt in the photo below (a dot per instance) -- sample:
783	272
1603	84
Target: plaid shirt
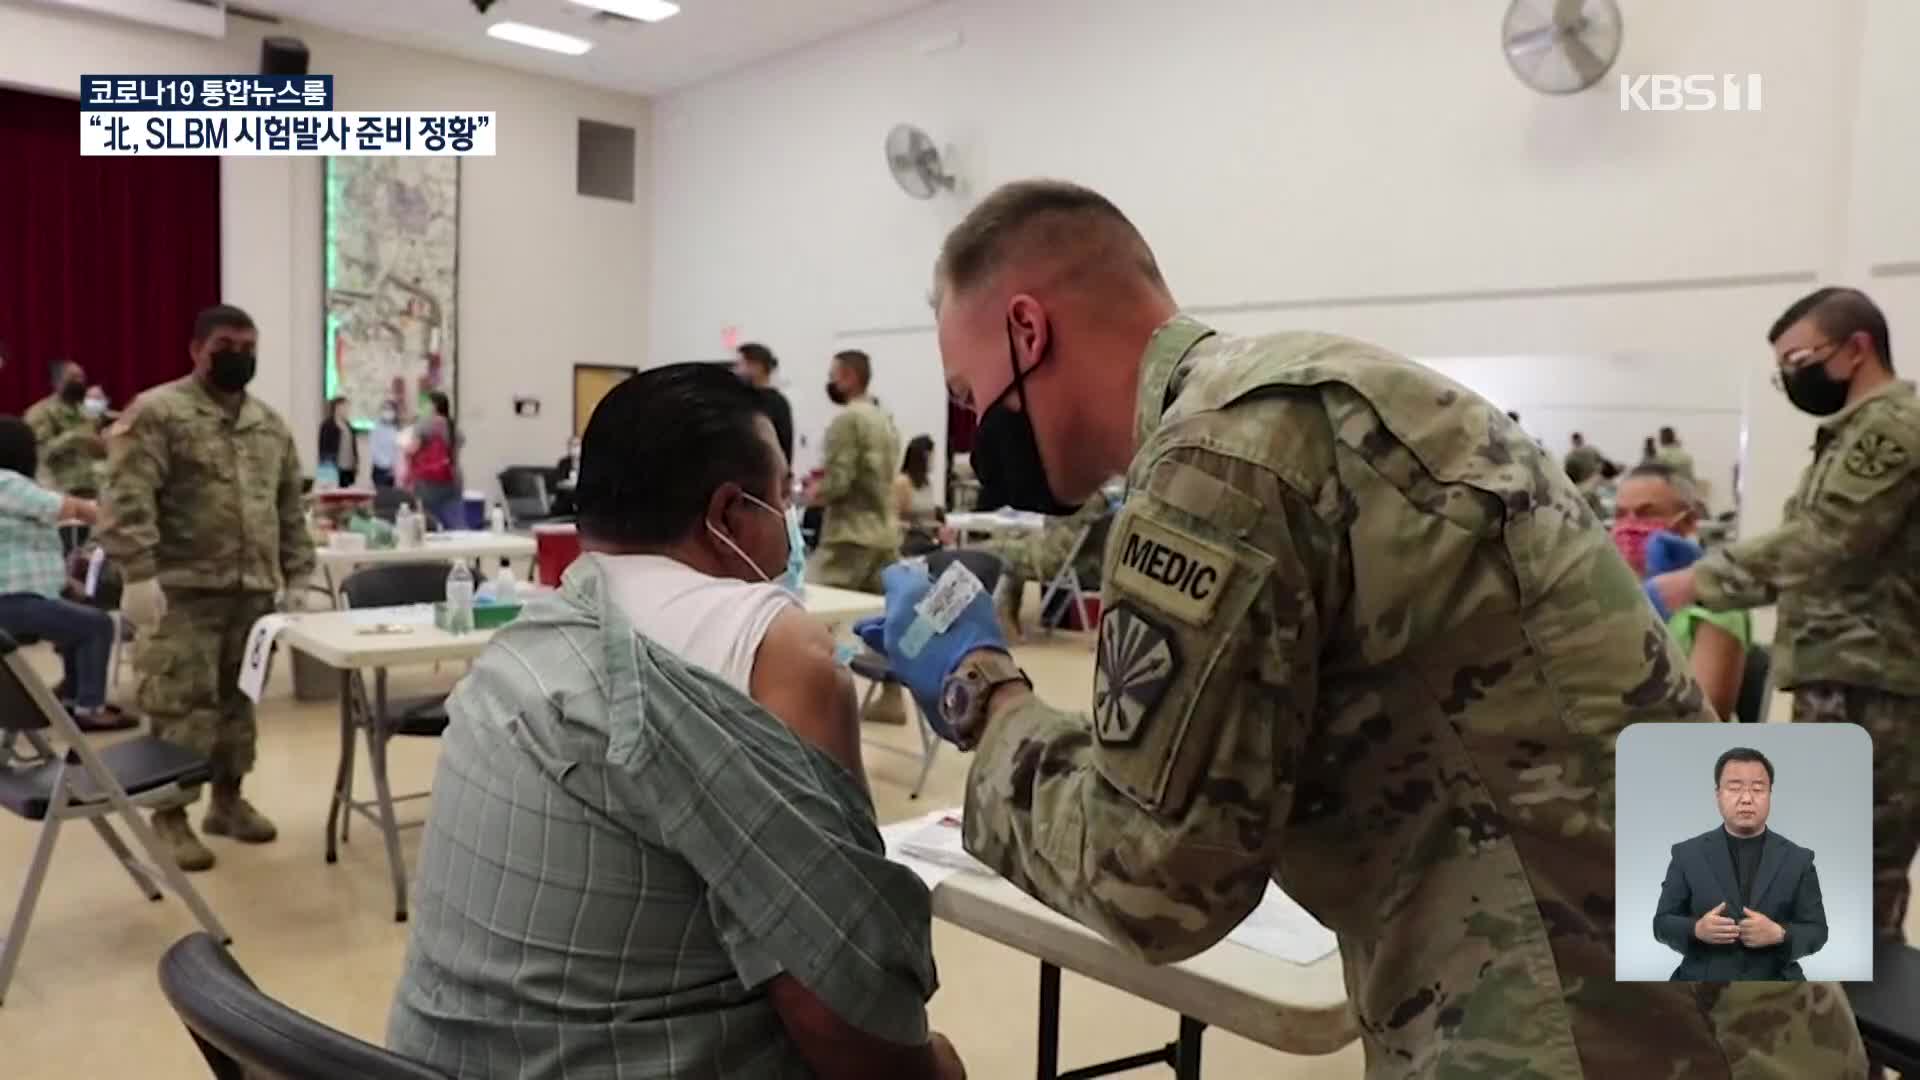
30	556
622	851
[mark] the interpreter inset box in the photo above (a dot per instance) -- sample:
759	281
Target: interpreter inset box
1743	852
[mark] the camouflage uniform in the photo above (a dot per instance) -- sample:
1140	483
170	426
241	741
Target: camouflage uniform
1363	637
69	444
1844	567
1676	458
1039	556
861	535
209	502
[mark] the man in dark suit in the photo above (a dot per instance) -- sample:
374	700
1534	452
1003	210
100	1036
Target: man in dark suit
755	363
1741	902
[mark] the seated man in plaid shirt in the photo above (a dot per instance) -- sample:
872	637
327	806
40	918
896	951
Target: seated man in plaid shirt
33	577
651	851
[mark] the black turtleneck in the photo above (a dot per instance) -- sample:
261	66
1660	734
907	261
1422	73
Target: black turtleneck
1746	861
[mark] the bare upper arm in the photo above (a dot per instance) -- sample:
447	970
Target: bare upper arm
796	678
1719	661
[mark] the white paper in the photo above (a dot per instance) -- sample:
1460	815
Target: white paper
930	846
402	615
1280	927
259	656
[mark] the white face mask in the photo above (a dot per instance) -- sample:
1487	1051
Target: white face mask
94	406
744	557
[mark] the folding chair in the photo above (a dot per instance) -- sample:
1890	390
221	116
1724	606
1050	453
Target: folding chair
1067	582
242	1032
381	719
44	785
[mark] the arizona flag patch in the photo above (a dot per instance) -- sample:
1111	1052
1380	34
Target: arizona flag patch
1137	665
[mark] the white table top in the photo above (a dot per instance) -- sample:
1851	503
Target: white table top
997	521
1290	1007
442	546
389	637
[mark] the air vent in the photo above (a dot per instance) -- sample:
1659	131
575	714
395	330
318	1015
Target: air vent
605	164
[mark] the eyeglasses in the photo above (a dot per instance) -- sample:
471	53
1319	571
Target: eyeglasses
1801	358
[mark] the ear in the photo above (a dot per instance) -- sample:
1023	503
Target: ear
721	501
1031	329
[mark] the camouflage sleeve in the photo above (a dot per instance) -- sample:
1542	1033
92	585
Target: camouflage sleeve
1155	820
840	457
1865	490
138	461
296	543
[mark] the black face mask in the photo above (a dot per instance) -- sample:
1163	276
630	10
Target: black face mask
73	393
1814	391
231	370
835	394
1006	456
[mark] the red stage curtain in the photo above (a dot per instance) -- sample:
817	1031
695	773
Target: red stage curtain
103	260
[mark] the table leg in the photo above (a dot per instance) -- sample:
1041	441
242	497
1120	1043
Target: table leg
343	776
1049	1049
383	792
1186	1062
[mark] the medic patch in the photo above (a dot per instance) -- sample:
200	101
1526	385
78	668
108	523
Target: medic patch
1179	574
1137	664
1874	456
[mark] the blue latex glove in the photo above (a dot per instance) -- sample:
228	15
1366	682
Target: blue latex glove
975	628
1667	552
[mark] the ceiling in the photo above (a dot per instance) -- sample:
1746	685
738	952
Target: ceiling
707	37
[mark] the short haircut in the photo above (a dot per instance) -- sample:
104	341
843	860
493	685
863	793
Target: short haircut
1672	477
220	317
857	362
659	444
755	353
1839	313
1741	753
1579	470
1032	218
1579	439
17	447
334	403
1668	437
1513	416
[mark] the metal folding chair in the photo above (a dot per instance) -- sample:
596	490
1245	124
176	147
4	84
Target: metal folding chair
380	719
38	783
1067	582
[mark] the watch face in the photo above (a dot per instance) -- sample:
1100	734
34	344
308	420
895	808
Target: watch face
955	699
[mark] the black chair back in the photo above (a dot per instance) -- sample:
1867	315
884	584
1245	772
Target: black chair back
20	709
1751	707
387	502
246	1035
985	564
396	585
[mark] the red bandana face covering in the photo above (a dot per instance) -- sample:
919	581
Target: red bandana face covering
1630	535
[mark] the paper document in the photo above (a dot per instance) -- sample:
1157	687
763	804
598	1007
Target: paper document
930	846
1281	927
259	656
400	615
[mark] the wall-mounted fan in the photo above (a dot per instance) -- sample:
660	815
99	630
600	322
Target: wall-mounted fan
1561	46
915	162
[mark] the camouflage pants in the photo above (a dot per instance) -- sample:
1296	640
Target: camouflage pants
190	672
850	566
1893	721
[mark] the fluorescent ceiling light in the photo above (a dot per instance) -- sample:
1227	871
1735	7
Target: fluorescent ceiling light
644	10
535	37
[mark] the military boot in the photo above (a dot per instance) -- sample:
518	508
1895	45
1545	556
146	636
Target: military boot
177	840
234	816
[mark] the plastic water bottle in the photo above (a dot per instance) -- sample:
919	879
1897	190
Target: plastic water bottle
459	598
506	587
497	518
403	525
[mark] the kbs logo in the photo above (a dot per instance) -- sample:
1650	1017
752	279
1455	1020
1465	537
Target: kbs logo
1689	93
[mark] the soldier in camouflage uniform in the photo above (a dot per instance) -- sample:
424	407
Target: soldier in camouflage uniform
203	514
69	439
861	533
1040	557
1360	636
1844	565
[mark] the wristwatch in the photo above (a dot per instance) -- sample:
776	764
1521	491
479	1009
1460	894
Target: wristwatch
965	695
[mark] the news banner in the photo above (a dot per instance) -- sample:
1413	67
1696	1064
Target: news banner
260	116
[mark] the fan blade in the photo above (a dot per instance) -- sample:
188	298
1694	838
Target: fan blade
1585	61
1568	17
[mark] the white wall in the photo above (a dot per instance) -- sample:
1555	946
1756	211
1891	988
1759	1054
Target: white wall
548	279
1370	168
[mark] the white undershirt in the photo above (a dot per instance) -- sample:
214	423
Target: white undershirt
709	622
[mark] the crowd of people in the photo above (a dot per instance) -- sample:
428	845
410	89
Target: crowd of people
1369	646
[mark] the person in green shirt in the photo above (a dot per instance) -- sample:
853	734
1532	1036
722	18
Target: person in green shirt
1656	498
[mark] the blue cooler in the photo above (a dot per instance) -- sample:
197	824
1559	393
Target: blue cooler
476	504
